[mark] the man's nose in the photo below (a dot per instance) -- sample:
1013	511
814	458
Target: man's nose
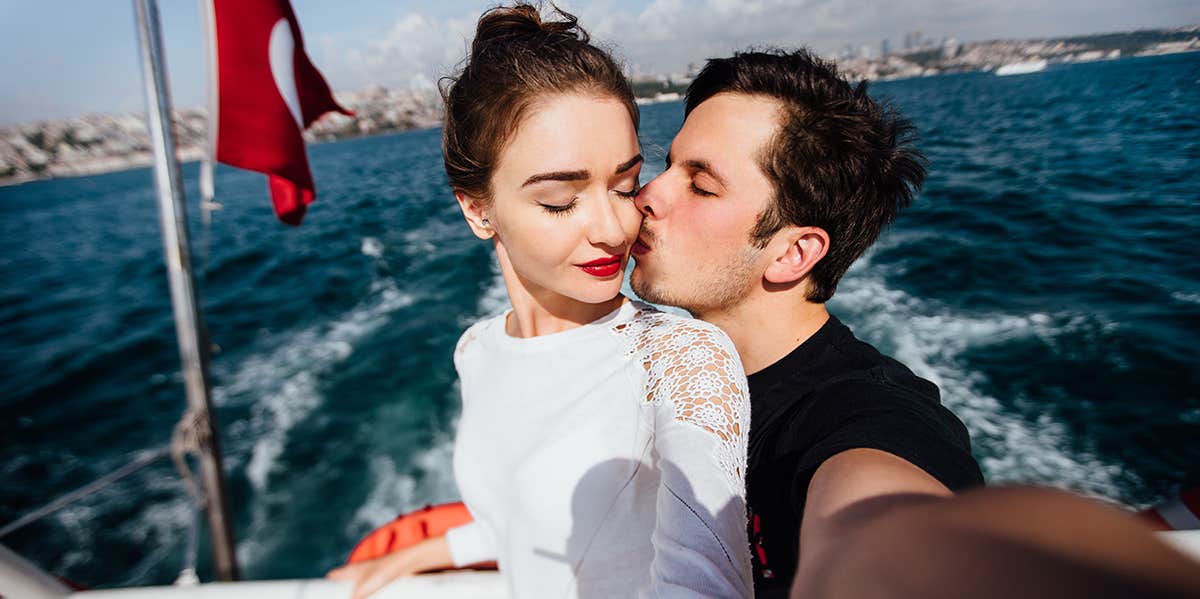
647	201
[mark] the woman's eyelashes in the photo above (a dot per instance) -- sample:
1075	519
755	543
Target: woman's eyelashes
561	209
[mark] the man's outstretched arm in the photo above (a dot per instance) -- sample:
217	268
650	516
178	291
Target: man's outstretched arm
993	543
851	477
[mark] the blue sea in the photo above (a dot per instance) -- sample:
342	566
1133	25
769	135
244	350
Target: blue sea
1047	279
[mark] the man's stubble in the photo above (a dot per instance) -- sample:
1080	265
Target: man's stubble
728	284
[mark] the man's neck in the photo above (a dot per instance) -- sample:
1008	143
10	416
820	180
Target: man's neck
768	327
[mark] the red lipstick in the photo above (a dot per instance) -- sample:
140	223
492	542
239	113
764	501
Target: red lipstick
603	267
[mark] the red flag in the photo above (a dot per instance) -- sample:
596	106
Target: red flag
268	92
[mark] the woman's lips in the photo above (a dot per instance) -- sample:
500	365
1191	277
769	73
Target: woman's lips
603	267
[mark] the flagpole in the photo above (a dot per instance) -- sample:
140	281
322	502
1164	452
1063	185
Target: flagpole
189	326
208	163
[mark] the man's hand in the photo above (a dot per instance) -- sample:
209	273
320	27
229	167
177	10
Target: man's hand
372	575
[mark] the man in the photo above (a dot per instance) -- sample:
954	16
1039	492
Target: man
782	176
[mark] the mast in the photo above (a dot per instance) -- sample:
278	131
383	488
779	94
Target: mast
189	326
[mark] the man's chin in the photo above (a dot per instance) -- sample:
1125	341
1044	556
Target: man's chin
650	290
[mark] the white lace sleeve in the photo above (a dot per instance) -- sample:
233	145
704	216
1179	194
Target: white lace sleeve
695	381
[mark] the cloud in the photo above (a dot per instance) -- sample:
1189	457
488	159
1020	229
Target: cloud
414	51
663	36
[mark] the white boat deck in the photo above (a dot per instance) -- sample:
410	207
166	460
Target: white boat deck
21	580
459	585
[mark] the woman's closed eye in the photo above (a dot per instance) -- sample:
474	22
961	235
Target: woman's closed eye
632	193
701	192
560	209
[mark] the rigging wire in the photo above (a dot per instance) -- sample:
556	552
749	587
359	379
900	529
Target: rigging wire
63	501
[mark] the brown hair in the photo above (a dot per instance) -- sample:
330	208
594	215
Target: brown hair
840	160
516	58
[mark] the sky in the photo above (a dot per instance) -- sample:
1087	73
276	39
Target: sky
62	58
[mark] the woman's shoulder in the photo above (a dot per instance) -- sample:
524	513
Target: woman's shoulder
683	358
470	337
654	331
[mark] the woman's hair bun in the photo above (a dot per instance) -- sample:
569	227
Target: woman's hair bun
522	22
517	57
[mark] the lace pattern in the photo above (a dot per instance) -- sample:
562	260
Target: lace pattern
692	367
467	338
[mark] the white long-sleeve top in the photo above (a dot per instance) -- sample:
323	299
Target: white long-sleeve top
606	460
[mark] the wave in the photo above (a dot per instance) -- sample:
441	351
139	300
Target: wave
1187	298
495	298
933	342
283	388
397	489
159	528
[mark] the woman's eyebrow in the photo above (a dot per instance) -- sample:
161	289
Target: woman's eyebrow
580	175
628	164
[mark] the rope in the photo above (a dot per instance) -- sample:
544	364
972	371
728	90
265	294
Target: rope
137	464
192	433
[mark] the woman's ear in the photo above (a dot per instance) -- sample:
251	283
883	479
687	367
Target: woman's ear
798	250
473	210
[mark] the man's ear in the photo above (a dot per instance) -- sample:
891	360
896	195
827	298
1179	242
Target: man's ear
797	250
473	210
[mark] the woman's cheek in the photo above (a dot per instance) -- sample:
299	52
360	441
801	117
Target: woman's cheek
631	221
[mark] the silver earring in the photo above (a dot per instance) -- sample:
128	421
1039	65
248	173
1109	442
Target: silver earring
486	223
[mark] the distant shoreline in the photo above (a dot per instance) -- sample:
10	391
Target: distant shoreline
381	112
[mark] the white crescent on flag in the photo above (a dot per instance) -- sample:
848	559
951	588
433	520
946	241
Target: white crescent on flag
265	91
283	68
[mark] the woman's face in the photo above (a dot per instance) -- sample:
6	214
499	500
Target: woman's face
562	205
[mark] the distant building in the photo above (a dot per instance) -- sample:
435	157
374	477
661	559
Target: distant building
885	47
914	40
950	47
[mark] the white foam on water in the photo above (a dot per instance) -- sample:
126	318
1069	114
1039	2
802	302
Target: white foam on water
283	388
932	341
159	528
494	300
284	384
1190	298
395	490
372	247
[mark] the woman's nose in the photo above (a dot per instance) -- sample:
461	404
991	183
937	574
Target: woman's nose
606	225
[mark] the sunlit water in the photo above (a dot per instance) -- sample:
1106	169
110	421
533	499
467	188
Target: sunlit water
1048	279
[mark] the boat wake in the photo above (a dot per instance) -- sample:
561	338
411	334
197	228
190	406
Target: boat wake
934	341
282	388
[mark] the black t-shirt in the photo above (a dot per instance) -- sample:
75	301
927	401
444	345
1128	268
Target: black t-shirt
831	394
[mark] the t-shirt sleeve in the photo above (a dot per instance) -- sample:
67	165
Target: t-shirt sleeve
867	414
470	544
702	419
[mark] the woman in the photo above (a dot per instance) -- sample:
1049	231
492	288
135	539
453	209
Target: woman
602	443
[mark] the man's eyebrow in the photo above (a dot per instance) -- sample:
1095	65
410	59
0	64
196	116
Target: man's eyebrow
581	175
703	165
628	164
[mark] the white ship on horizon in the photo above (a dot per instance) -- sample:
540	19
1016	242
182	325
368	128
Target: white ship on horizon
1022	68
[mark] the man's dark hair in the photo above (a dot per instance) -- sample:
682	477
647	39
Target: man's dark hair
840	160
